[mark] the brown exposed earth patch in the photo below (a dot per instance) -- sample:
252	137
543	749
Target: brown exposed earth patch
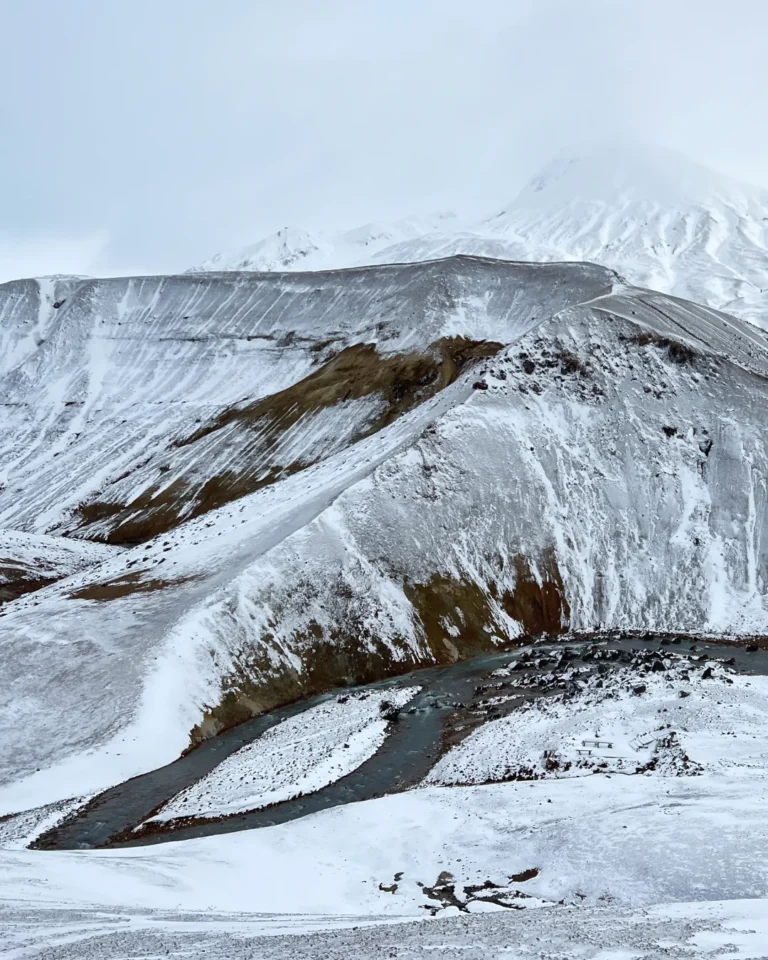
456	619
256	685
460	618
16	581
403	380
677	352
125	585
538	605
249	436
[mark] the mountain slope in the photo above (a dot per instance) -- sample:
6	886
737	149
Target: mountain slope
147	379
176	394
30	561
649	213
595	463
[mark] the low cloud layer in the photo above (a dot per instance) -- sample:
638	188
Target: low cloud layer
145	136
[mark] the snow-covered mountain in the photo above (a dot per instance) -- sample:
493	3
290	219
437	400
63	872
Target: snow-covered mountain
225	492
659	219
331	476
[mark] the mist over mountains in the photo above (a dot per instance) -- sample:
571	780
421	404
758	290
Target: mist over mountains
650	213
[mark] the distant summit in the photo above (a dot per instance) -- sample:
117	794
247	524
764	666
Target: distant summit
656	217
619	171
294	248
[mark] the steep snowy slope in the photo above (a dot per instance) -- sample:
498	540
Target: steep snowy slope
159	398
602	467
28	309
659	219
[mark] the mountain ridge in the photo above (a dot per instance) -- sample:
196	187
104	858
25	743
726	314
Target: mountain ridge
649	213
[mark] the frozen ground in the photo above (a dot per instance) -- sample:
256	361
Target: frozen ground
609	835
574	863
726	930
632	839
590	841
299	755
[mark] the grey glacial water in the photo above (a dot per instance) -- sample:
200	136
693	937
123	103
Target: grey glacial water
411	749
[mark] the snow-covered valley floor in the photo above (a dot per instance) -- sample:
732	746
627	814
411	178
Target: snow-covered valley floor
728	930
571	862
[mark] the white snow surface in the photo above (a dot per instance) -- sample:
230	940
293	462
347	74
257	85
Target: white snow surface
39	556
633	865
716	725
659	219
300	755
731	930
631	839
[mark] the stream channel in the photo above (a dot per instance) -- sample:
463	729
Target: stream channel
450	704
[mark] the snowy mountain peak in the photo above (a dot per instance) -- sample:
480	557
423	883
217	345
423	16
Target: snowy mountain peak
648	212
294	248
619	172
277	252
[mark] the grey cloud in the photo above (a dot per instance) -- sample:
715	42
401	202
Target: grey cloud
179	128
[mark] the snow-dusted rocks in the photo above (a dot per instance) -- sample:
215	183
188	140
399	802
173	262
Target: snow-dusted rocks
683	719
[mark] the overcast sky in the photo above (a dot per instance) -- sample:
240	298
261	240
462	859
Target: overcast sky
146	135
